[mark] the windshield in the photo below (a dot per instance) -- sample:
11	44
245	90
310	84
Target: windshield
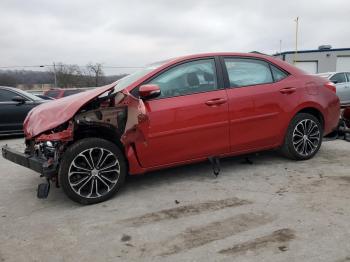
29	95
129	79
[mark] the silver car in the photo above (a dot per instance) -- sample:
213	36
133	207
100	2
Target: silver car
342	83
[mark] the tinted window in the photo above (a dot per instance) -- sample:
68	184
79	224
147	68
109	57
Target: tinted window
52	93
246	72
188	78
338	78
71	92
278	74
6	96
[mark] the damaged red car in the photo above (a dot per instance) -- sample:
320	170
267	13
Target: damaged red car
176	112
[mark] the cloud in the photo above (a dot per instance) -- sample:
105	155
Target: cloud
133	33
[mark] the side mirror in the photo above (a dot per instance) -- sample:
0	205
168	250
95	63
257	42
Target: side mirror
334	81
149	91
19	99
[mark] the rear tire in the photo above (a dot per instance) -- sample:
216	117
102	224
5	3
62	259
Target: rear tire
92	170
303	138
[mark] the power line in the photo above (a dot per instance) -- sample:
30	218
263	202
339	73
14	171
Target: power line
35	66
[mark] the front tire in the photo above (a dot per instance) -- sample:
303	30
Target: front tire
92	170
303	138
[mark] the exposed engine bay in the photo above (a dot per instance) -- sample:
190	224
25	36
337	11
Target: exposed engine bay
117	115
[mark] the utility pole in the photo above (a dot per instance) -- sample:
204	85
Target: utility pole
280	46
296	39
54	73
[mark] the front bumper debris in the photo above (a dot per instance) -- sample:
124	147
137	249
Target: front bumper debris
29	161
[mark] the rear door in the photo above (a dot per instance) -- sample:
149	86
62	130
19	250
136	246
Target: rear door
258	103
342	86
190	118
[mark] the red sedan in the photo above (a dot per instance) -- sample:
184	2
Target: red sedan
176	112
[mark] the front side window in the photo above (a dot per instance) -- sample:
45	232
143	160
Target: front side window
6	96
338	78
187	78
247	72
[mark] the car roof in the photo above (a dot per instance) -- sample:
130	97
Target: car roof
274	60
178	60
21	92
332	73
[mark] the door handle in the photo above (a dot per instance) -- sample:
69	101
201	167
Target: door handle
216	101
288	90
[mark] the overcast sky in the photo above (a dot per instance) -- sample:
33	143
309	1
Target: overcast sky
134	33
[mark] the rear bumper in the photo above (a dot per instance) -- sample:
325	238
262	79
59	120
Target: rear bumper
29	161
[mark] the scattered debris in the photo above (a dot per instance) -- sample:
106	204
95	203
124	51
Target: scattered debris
283	248
281	191
125	238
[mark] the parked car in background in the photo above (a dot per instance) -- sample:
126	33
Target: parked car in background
39	94
14	107
44	97
180	111
57	93
342	84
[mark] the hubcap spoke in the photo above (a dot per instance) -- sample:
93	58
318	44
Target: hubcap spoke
94	172
81	180
109	180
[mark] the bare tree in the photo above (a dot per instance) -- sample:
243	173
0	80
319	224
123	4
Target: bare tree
7	79
68	75
97	72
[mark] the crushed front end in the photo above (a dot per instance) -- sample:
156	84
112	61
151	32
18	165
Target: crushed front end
116	113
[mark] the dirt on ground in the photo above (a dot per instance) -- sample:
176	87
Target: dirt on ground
266	208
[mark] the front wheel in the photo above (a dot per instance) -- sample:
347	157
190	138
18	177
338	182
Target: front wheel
303	138
92	170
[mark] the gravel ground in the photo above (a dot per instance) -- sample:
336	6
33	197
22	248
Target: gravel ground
271	209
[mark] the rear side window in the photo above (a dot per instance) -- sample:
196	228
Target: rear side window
338	78
247	72
6	96
278	74
52	93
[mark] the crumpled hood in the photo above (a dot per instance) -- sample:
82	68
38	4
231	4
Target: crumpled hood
56	112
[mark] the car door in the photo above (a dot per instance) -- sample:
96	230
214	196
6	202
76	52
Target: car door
258	102
339	79
12	114
189	120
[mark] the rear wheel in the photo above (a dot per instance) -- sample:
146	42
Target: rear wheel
92	170
303	138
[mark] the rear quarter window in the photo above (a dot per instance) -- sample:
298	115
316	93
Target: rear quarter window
278	74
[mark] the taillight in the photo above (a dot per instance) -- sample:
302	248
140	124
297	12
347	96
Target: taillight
330	86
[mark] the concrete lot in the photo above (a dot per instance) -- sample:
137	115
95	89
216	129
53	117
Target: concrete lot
271	210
